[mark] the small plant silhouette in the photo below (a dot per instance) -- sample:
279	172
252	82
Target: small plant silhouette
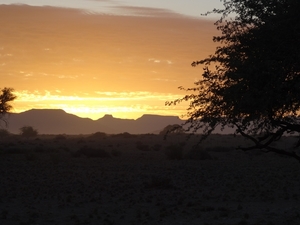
4	133
198	153
91	152
28	131
142	147
174	151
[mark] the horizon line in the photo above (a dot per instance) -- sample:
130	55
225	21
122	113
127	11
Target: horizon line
105	115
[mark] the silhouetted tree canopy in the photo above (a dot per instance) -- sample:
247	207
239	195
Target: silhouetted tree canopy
28	131
6	96
172	129
252	81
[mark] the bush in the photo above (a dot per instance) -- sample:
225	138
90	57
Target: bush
98	135
174	152
81	140
4	133
15	150
55	158
198	154
156	147
91	152
60	137
141	146
31	156
28	131
39	148
124	135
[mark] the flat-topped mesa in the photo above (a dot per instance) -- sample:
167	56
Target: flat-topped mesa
107	116
46	111
149	116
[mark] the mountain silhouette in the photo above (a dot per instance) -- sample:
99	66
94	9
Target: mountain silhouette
57	121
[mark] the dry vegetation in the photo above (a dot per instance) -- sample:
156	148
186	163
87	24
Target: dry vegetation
143	179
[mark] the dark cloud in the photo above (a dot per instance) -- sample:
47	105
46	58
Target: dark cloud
144	11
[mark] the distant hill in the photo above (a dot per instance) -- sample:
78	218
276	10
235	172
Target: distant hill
56	121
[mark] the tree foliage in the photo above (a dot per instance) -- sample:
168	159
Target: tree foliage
6	96
172	129
28	131
252	81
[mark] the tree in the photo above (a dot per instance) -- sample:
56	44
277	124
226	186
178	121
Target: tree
172	129
252	81
28	131
6	96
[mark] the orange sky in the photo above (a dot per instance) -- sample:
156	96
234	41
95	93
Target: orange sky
91	64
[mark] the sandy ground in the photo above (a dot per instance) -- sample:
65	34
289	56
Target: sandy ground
47	184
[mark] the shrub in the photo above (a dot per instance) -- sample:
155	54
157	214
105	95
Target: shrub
174	152
60	137
124	135
81	140
156	147
55	158
31	156
92	152
28	131
65	148
98	135
4	133
141	146
198	153
15	150
39	148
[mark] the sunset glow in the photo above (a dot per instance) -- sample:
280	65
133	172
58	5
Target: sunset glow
93	64
119	104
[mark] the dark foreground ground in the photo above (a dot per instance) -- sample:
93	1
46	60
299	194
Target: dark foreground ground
129	179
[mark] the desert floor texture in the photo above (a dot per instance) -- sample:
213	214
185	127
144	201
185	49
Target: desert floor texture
143	179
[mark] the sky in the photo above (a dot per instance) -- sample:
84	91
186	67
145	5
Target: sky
96	57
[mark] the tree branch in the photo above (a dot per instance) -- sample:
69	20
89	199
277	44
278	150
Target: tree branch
259	145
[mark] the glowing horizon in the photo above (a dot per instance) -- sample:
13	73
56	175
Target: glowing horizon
123	106
91	65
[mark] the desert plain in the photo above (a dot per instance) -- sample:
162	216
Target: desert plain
143	179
